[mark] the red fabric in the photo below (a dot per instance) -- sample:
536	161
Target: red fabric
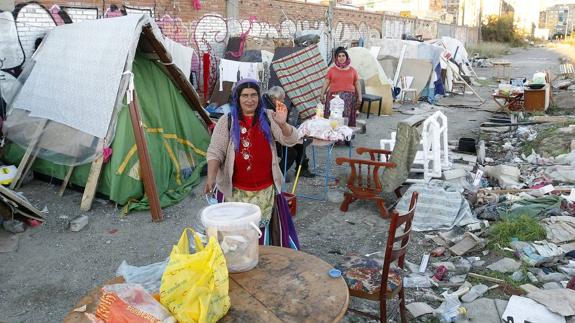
206	61
342	80
260	175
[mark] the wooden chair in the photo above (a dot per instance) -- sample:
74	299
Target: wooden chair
368	278
364	180
458	87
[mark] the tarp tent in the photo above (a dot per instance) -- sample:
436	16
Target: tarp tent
71	106
375	78
420	61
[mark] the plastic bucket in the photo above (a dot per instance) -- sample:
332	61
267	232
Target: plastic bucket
235	225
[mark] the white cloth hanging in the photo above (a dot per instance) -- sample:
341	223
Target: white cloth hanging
249	70
181	56
228	72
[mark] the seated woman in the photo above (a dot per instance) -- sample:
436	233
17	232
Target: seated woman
243	163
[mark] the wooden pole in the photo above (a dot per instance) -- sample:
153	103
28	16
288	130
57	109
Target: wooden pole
147	174
29	156
93	178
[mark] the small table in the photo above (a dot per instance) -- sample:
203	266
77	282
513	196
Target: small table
285	286
503	70
511	102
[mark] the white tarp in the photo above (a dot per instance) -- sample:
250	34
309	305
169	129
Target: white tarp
10	50
181	56
77	73
414	49
457	49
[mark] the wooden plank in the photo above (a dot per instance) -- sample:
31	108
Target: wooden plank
66	180
147	173
93	177
20	203
399	64
23	166
26	169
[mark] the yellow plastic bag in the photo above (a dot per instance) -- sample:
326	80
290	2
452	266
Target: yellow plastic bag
195	286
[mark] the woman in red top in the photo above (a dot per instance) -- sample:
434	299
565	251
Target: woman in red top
342	79
243	163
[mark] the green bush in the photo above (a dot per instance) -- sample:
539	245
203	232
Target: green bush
523	227
500	29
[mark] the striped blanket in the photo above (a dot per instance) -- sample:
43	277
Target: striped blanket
302	75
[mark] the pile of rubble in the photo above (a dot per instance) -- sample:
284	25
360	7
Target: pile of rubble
513	256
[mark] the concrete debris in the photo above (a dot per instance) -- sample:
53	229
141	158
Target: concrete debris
419	309
79	223
475	292
505	265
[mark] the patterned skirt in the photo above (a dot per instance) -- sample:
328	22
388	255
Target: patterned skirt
350	106
278	229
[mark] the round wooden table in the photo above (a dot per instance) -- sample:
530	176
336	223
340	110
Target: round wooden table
285	286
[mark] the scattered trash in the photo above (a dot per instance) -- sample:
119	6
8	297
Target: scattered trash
13	226
419	309
474	293
468	242
438	252
523	309
424	262
505	265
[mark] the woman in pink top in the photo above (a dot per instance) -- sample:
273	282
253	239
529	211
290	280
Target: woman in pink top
342	79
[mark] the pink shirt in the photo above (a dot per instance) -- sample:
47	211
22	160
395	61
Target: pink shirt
342	80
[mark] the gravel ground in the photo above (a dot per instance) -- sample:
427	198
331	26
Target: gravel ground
54	267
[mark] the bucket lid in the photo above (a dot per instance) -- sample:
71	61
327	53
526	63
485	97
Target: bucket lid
231	214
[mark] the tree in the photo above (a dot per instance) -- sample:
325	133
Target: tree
500	29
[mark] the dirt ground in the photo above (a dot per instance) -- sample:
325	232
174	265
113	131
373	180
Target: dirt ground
54	267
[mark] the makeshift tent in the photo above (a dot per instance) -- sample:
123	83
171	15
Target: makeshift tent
418	60
72	106
376	80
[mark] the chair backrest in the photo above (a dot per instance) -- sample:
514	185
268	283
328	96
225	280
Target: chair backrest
362	83
397	244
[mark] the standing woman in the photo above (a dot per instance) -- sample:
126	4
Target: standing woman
342	79
243	164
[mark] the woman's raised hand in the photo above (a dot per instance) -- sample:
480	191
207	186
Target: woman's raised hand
281	113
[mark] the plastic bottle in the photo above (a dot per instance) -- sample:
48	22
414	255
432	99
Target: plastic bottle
336	107
458	316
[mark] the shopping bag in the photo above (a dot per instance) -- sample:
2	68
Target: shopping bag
195	286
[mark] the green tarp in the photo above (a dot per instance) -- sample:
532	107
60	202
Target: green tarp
177	141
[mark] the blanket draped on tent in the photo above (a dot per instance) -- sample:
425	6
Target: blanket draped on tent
302	75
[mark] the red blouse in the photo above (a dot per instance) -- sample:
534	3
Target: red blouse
253	162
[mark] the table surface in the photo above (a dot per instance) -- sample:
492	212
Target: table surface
285	286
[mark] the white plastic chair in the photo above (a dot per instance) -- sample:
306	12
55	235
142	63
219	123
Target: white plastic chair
407	93
433	156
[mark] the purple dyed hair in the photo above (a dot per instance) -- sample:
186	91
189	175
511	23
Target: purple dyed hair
237	114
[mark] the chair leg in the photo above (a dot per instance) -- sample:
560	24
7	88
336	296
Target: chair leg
368	108
397	192
379	111
383	309
382	209
402	308
348	199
